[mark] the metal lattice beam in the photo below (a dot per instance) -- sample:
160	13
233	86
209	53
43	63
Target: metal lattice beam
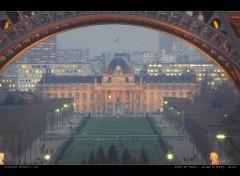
33	27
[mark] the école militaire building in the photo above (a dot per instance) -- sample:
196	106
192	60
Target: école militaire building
117	90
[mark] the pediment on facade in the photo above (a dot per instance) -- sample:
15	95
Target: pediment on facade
116	84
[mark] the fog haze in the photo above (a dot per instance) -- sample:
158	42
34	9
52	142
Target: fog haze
101	38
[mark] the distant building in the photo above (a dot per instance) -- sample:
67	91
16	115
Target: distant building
166	44
73	55
117	90
24	77
43	52
151	58
215	74
182	59
182	48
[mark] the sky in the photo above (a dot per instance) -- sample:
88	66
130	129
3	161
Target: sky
101	38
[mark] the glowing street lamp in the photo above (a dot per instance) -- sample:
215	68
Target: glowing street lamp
65	105
47	157
170	157
221	136
57	111
165	102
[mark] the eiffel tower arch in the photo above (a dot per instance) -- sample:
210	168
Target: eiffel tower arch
216	34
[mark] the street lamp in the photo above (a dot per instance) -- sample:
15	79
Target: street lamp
220	136
47	157
66	112
170	157
57	111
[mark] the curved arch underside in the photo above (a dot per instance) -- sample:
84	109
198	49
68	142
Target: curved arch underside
220	48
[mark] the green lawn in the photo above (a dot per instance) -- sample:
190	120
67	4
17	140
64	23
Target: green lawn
116	126
80	149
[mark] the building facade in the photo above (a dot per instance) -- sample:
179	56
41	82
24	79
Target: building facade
117	90
45	51
73	55
24	77
215	75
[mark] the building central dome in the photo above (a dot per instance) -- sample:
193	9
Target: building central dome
118	63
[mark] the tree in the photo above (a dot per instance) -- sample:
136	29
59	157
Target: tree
9	100
21	101
126	157
101	158
143	159
224	94
112	155
84	161
204	94
134	161
92	158
14	100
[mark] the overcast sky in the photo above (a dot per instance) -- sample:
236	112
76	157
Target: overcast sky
101	38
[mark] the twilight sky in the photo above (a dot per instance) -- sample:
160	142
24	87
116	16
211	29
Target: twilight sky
101	38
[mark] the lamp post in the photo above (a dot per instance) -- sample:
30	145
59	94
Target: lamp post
47	158
170	157
57	111
66	113
221	137
178	119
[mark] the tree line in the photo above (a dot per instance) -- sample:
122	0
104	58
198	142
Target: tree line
112	157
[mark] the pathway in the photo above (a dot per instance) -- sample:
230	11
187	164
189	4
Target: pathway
184	151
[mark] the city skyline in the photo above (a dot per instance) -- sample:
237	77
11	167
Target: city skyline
102	38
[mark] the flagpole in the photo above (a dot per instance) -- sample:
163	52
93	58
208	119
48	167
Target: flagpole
118	44
117	49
